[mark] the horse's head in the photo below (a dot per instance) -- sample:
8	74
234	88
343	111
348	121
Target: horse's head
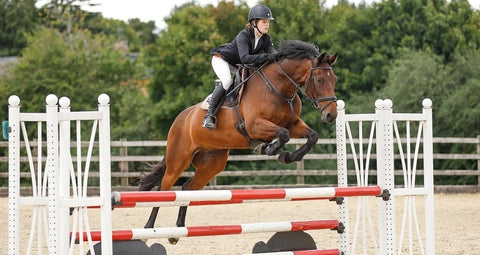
302	65
320	86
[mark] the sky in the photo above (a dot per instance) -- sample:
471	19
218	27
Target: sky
157	10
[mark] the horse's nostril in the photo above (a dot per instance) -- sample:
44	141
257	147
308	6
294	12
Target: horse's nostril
331	118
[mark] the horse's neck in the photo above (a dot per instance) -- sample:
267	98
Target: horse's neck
284	79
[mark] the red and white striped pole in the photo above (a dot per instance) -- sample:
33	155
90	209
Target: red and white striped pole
305	252
148	233
209	197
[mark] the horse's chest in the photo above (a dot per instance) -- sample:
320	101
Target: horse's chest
282	115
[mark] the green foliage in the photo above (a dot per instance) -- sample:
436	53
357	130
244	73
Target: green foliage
415	76
81	67
67	15
17	18
459	114
403	50
299	20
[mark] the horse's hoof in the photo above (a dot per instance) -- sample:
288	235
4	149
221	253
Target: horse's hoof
260	149
273	147
284	157
173	240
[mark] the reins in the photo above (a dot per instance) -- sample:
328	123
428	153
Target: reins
315	101
259	70
289	100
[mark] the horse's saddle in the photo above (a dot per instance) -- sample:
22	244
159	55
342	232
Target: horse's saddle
234	93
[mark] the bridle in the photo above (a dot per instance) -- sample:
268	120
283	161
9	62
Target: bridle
315	101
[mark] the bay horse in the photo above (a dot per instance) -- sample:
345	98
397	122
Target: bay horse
270	109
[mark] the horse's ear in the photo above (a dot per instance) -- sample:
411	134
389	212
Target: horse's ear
321	58
333	58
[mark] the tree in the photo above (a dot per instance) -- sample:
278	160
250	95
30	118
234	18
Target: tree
301	20
68	15
80	69
17	19
458	114
415	76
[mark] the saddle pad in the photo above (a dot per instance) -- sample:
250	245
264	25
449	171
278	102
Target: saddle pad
205	103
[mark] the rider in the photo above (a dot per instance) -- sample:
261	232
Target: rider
251	46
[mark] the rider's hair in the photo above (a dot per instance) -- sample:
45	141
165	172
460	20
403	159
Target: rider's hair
250	25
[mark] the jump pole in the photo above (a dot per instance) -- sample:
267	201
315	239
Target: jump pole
195	231
304	252
235	196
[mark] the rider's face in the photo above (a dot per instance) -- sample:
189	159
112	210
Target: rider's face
263	25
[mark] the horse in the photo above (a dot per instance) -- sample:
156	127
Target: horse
268	110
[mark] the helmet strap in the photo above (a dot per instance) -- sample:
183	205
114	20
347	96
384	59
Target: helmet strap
255	26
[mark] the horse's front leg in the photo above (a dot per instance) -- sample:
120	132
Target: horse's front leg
182	214
274	146
267	131
299	130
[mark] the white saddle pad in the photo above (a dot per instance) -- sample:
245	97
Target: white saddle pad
205	103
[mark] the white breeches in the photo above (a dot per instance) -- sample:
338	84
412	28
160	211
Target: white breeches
224	71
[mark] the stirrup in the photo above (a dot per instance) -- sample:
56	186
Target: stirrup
210	122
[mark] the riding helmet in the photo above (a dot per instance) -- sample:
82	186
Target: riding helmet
260	12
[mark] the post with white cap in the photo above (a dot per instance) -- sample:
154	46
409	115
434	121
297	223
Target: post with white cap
342	173
385	174
428	177
52	169
64	173
105	173
13	175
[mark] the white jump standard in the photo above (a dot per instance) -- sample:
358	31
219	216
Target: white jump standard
60	186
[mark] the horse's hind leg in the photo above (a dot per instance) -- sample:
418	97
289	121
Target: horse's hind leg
207	164
173	167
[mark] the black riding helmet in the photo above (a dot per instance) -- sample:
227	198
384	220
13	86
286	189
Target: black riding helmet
260	12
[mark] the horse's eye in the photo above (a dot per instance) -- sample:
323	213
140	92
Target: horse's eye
319	80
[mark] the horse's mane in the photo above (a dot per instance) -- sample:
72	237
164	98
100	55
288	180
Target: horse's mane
296	49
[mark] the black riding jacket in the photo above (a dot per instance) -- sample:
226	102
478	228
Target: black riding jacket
241	51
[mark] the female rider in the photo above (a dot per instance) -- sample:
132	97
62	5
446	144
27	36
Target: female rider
251	46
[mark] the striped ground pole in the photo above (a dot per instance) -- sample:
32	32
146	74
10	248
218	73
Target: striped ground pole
305	252
167	232
209	197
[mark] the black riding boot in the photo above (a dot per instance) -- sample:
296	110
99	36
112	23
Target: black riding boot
210	119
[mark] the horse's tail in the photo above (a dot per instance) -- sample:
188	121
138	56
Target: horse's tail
149	181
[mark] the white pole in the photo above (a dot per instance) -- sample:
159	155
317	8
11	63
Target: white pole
52	168
64	176
105	173
342	174
14	175
385	174
428	178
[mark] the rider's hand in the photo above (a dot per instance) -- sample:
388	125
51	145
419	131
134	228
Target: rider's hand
270	57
